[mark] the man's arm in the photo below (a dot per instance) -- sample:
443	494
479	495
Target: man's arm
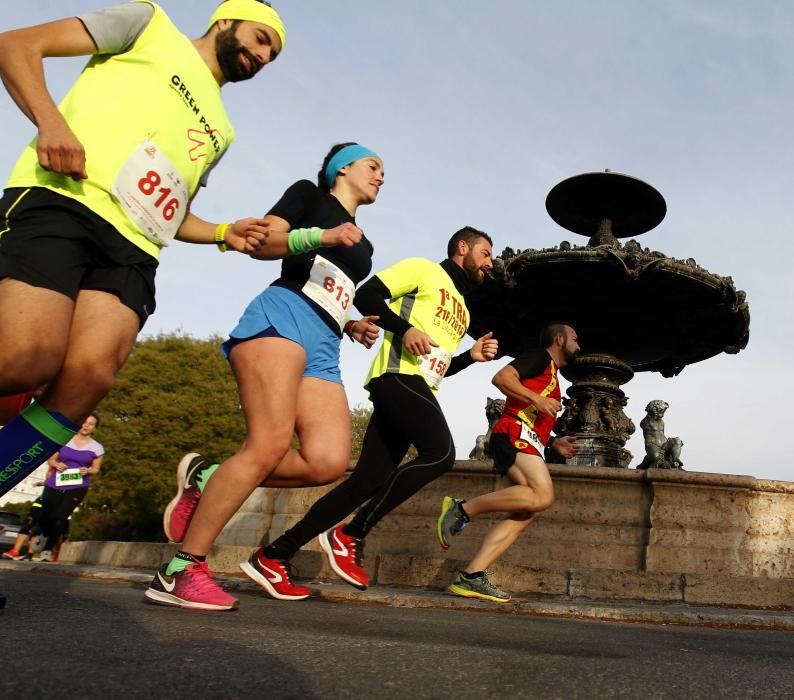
402	278
22	70
566	446
483	350
370	301
508	381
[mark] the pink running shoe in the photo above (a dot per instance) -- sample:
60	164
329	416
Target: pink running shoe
180	510
274	576
345	555
194	587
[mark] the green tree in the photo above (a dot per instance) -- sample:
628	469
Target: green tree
176	394
359	419
21	508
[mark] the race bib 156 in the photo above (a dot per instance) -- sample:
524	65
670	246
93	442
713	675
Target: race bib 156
434	366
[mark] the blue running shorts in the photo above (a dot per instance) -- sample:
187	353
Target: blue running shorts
292	318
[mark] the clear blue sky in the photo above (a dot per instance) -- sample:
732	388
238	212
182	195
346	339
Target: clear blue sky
478	109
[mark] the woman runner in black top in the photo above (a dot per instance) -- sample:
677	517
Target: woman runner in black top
285	356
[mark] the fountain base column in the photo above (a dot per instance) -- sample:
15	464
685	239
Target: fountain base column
594	411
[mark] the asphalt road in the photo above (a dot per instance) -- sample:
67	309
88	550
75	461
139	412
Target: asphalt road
66	637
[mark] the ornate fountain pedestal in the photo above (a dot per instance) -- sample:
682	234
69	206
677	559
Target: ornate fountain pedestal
594	411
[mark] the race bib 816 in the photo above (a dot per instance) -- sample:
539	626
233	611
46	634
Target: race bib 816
152	192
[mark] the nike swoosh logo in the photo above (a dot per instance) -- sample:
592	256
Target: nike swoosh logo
168	586
277	577
342	551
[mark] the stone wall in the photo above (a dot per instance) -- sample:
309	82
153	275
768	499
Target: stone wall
612	533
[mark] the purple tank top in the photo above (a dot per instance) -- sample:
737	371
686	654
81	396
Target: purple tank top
74	458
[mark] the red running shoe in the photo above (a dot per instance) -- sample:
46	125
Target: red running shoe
12	554
180	510
345	555
274	576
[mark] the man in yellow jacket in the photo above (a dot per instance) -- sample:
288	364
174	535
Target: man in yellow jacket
105	184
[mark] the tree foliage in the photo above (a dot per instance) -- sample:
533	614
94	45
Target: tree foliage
21	508
176	394
359	419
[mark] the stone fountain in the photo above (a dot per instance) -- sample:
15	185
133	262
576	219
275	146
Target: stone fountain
635	309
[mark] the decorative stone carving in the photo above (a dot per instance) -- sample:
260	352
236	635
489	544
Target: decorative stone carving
493	409
660	452
594	412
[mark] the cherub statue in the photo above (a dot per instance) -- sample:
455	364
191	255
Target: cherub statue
609	414
660	452
493	409
672	452
590	416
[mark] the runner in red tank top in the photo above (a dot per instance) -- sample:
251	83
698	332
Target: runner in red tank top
518	441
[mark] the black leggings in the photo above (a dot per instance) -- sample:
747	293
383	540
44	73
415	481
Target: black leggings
32	524
57	506
405	413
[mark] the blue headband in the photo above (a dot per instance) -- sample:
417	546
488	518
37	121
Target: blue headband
346	156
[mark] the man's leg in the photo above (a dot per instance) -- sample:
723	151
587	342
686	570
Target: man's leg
533	485
35	325
102	336
411	411
99	341
34	333
382	450
533	490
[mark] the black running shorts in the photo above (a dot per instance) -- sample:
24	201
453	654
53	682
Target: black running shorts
504	454
55	242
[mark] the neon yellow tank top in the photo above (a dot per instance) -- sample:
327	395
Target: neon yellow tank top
155	108
424	295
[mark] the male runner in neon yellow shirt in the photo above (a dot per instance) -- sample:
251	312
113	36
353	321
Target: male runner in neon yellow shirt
103	187
424	322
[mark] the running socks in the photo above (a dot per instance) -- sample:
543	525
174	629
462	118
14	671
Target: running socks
28	440
204	476
474	574
462	511
181	561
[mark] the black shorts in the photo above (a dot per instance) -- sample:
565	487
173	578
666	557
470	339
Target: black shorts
504	454
55	242
503	448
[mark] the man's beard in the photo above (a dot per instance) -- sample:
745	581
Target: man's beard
570	355
475	275
228	51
